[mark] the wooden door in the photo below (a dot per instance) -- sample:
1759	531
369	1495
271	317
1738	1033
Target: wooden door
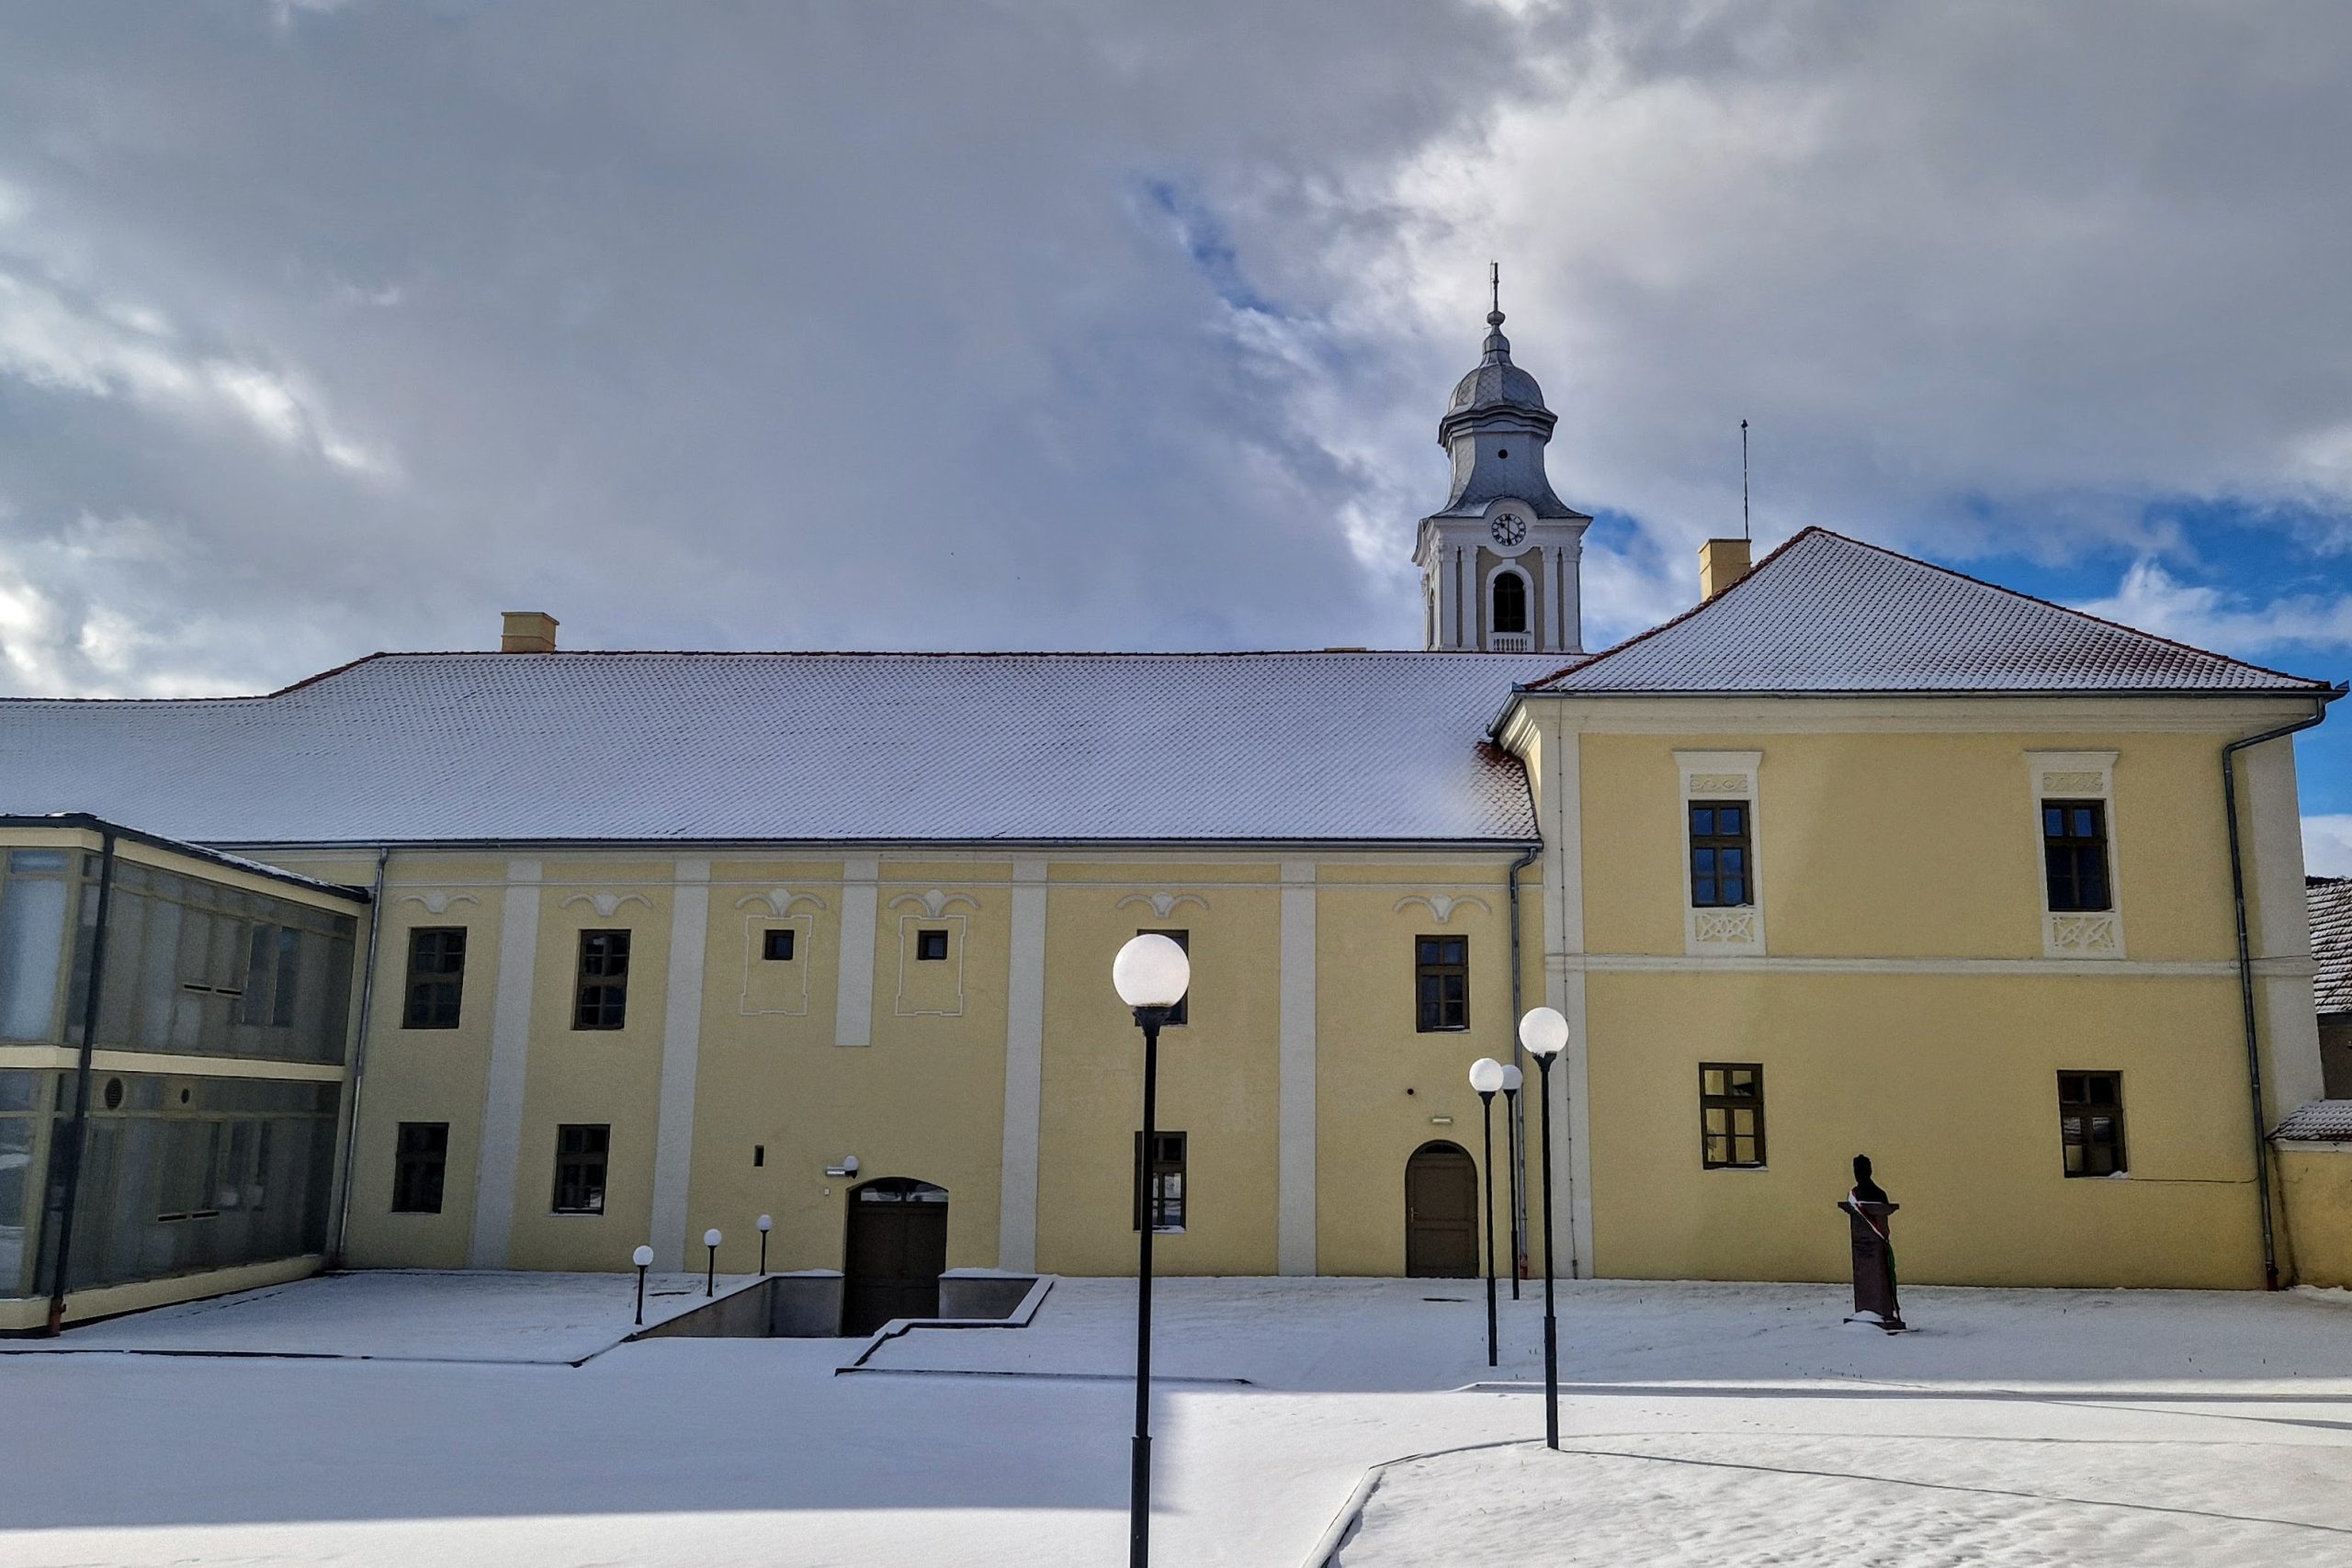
895	1252
1440	1214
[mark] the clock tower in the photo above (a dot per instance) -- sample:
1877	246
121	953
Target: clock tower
1499	561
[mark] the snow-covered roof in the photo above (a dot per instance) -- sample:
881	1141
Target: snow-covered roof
802	748
2318	1122
2331	907
1827	613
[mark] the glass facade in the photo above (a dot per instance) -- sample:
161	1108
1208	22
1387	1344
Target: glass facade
184	1168
184	1174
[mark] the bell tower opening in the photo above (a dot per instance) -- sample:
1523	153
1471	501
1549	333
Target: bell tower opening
1500	559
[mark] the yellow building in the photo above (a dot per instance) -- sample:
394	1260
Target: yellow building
1858	856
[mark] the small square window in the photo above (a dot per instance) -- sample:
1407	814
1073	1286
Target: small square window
1166	1178
2073	855
600	999
580	1151
1731	1115
777	945
931	947
436	977
2090	1123
1441	984
1721	856
421	1159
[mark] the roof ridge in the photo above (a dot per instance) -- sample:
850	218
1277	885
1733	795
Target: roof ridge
1775	553
2065	609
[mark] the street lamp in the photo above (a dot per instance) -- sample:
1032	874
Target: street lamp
1512	1078
643	1258
1545	1035
1485	1077
1151	975
710	1282
767	1224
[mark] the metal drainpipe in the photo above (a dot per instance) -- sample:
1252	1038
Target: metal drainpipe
1517	1101
76	1135
2245	984
359	1055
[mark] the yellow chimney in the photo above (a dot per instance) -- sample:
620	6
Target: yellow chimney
1722	562
527	631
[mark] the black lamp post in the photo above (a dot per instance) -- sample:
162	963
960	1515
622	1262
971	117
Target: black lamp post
1512	1078
1545	1035
643	1258
1151	974
767	1224
710	1239
1485	1077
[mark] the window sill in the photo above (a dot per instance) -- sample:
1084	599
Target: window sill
575	1214
1445	1029
1712	1169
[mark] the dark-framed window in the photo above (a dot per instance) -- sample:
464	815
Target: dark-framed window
1731	1115
602	999
2074	854
581	1152
931	946
419	1160
1440	983
775	944
436	977
1722	854
2090	1123
1166	1178
1511	603
1181	1012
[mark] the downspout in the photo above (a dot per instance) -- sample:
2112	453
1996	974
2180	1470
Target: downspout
75	1134
1517	1101
359	1055
2245	984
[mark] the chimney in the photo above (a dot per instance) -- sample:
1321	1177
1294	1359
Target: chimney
527	631
1722	562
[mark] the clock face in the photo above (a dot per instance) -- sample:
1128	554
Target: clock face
1508	527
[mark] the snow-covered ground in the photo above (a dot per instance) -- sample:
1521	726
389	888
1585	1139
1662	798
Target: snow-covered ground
1710	1424
400	1315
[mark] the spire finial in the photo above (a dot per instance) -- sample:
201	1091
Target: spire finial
1494	293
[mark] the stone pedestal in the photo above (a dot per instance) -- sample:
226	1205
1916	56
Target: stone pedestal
1872	1228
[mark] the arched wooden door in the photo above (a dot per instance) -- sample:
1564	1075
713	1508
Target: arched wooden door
895	1252
1440	1214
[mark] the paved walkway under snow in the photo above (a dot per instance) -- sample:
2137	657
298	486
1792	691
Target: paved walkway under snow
1713	1424
403	1316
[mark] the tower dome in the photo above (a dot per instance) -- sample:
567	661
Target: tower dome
1495	385
1499	559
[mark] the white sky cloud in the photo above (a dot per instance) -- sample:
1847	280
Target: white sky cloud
2153	600
2327	845
1112	325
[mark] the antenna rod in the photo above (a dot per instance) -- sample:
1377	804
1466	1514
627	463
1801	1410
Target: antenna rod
1743	482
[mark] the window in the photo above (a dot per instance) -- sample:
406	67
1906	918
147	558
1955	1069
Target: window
418	1162
2074	853
1167	1181
777	945
1722	863
602	999
931	947
1511	603
2090	1123
1183	1011
580	1154
436	977
1440	983
1731	1115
